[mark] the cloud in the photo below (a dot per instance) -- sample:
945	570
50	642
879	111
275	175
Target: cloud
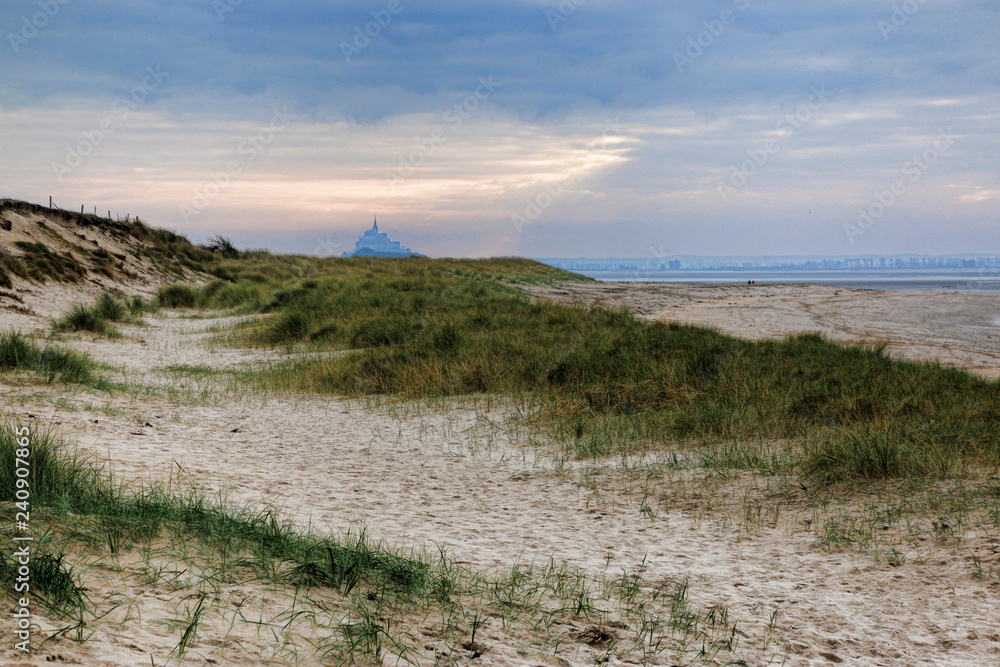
365	106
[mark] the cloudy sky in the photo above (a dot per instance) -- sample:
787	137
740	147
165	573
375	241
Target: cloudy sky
529	127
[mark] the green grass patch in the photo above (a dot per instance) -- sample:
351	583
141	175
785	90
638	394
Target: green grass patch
100	317
56	478
20	353
85	318
187	370
879	450
137	307
51	577
111	308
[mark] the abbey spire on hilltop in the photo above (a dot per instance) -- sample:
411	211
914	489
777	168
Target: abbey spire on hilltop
374	243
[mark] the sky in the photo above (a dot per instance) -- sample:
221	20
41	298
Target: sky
539	128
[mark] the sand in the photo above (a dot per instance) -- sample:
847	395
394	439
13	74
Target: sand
954	328
462	477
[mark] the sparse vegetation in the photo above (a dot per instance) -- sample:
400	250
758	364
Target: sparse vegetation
360	595
43	264
10	266
100	318
222	245
167	252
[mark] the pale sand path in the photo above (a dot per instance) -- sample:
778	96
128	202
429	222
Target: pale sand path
413	479
956	328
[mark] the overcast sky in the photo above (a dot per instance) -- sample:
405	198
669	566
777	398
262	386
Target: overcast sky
515	127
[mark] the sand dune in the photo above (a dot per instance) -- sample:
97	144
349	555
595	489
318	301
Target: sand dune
460	476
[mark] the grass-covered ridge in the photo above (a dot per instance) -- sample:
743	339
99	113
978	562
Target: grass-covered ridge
421	328
67	257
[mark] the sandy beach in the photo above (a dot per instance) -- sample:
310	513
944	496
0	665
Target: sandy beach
463	476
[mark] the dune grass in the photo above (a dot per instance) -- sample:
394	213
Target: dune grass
20	353
111	308
40	263
10	266
64	482
167	251
362	597
175	296
101	316
86	318
608	382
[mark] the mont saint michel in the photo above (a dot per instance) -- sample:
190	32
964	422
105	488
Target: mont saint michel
374	243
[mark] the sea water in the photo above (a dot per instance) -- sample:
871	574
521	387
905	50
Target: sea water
965	280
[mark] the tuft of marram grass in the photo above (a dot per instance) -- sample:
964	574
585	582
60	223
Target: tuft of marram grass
100	317
57	477
18	352
175	296
110	308
85	318
137	307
